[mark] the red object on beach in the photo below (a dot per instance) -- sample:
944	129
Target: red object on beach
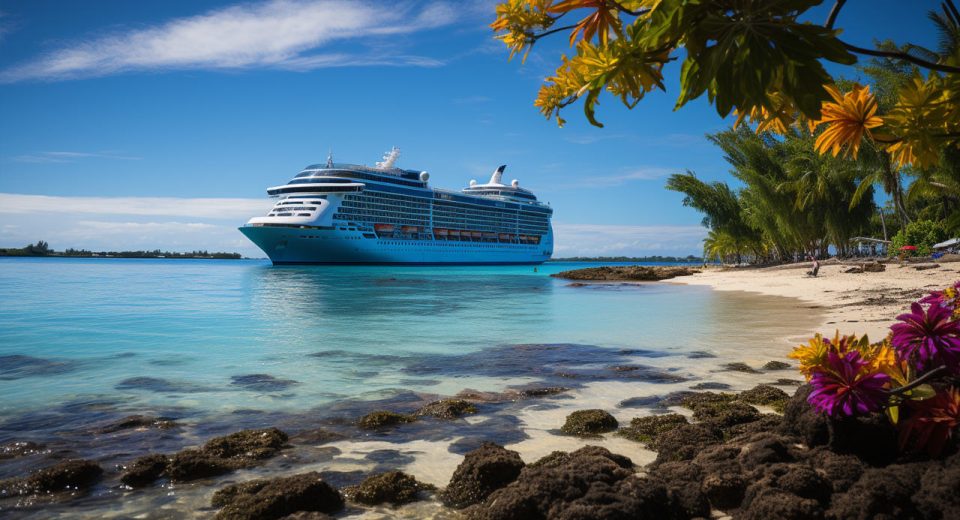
908	248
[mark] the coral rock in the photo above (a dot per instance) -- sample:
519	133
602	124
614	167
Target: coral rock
589	422
483	471
267	499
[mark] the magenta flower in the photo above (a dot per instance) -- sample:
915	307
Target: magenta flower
846	386
944	298
928	338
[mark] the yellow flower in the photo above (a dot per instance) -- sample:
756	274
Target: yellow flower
812	355
847	119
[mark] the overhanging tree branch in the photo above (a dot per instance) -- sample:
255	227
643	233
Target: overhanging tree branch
834	12
902	56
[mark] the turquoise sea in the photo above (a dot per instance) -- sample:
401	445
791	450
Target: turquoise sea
223	345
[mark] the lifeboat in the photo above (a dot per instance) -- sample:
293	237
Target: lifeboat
506	236
410	229
490	235
439	232
383	228
476	234
454	233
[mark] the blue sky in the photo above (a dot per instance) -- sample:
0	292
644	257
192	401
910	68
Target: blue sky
129	125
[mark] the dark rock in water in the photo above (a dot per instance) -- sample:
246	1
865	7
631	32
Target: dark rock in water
394	487
701	354
647	429
776	365
389	458
726	414
763	394
540	391
190	465
155	384
782	505
694	400
419	382
247	444
585	484
268	499
881	493
18	366
627	273
685	441
131	422
559	458
483	471
589	422
652	401
145	470
383	419
787	382
263	382
802	420
447	409
317	436
709	385
768	422
67	476
15	449
740	367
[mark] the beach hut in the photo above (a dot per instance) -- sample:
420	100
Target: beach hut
948	246
868	246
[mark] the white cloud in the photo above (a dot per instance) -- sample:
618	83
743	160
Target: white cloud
276	33
643	173
620	240
211	208
69	157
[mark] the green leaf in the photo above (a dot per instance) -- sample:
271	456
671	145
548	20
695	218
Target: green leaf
893	413
920	393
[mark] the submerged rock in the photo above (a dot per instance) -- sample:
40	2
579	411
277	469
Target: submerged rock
192	464
383	419
589	422
65	477
247	444
647	429
740	367
268	499
317	436
17	366
145	470
776	365
263	382
447	409
132	422
15	449
394	487
483	471
764	395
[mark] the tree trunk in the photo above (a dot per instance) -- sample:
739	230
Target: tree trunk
897	191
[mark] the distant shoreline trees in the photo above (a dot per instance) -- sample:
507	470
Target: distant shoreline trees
42	249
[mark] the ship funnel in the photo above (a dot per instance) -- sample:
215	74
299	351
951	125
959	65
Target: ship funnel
498	175
389	159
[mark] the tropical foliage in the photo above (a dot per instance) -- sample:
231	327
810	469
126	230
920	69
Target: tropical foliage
755	58
921	234
795	202
910	374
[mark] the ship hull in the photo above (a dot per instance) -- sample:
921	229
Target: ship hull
297	246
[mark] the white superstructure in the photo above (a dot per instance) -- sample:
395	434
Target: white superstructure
350	214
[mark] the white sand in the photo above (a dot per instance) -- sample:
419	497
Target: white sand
853	303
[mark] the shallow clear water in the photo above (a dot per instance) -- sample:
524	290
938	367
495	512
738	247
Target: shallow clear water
85	340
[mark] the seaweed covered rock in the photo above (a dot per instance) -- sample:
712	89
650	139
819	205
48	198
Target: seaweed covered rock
881	493
842	471
776	365
584	484
694	400
589	422
782	505
682	480
137	422
383	419
447	409
939	495
144	470
647	429
803	421
393	487
67	476
870	437
797	479
247	444
192	464
483	471
766	395
726	414
15	449
685	441
276	498
768	422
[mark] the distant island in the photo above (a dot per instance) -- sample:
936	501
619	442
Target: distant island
42	249
689	259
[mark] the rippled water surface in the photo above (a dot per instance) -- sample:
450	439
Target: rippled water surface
230	344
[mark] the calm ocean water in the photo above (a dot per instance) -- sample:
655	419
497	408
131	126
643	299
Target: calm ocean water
230	344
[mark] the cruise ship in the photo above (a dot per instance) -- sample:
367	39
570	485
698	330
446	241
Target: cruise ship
337	213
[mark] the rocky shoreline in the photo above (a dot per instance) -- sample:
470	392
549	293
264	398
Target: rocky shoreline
733	458
627	273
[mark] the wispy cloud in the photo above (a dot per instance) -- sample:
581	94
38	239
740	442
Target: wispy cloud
211	208
69	157
289	34
642	173
616	240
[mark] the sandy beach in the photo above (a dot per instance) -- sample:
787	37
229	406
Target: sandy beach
853	303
